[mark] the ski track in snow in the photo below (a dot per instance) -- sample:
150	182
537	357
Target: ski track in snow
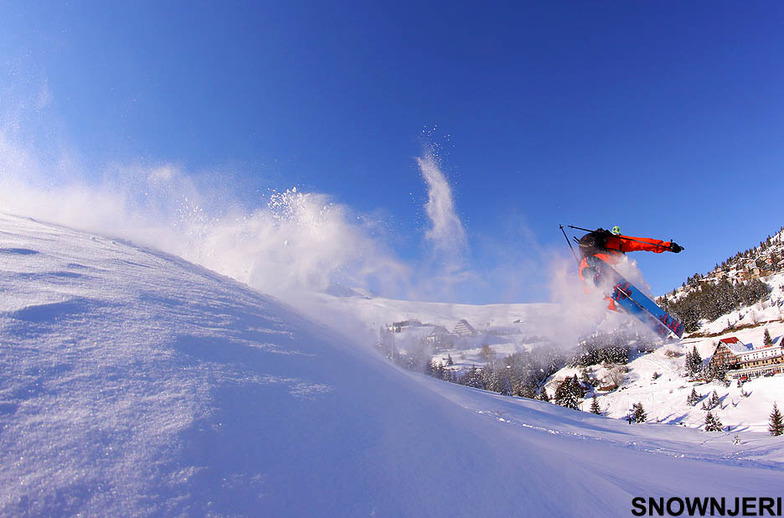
133	383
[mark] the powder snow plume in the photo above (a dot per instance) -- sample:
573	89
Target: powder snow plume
445	266
293	243
287	243
582	310
283	242
446	232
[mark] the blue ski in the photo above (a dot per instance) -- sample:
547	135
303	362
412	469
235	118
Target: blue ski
630	298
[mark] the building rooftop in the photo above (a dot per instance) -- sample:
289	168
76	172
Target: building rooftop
735	345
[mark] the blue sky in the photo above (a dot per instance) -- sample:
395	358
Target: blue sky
665	118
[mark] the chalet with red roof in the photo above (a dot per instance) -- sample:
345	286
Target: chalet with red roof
744	361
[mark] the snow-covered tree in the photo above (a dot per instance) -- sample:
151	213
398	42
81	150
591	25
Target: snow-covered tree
716	372
776	422
526	391
638	414
437	369
472	378
712	423
497	380
568	393
693	361
712	402
712	300
616	375
693	398
586	379
766	339
595	406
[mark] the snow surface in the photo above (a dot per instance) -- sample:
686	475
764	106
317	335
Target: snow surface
664	399
133	383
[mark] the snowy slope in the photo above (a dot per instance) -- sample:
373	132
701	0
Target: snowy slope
135	384
664	398
768	310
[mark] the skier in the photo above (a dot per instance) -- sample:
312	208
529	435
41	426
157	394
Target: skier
610	246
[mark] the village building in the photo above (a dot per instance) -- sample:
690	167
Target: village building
725	356
463	328
744	361
440	337
399	327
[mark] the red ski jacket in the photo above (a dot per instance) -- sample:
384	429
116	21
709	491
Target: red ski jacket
637	244
609	247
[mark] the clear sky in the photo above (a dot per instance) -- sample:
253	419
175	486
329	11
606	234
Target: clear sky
666	117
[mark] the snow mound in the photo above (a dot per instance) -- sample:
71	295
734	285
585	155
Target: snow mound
133	383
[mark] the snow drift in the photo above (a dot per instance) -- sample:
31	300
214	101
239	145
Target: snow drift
134	383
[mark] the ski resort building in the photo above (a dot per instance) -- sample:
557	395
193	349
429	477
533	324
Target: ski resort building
744	361
463	328
399	327
727	353
440	337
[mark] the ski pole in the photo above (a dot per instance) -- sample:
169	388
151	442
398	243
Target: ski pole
570	244
579	228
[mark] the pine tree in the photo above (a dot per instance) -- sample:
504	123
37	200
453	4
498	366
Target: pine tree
564	395
693	398
490	379
712	402
542	396
693	361
449	360
712	423
716	372
638	414
766	339
585	378
776	422
595	406
577	387
472	378
526	391
437	370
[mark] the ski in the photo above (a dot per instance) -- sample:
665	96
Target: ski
635	302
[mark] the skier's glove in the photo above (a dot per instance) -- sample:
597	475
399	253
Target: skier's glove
675	247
